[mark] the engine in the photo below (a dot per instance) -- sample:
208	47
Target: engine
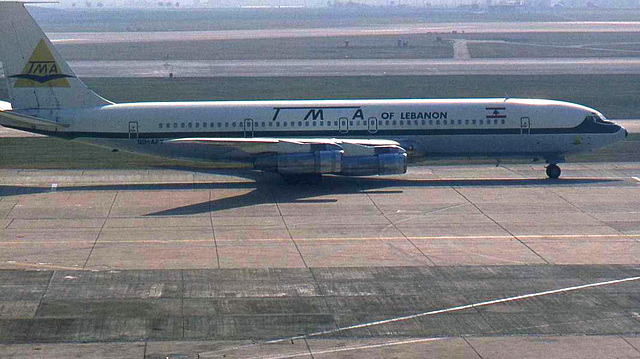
300	163
382	164
378	161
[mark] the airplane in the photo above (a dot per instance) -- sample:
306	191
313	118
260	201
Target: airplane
298	139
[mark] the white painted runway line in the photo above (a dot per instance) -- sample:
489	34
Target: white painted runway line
435	312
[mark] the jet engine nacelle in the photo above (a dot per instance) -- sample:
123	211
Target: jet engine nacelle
301	163
382	164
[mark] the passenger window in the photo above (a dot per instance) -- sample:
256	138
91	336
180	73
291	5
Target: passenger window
459	122
278	124
299	123
466	122
386	122
233	124
306	124
219	124
197	124
270	124
313	123
438	122
394	122
160	125
204	124
401	122
480	122
350	123
473	121
503	122
182	125
284	124
264	125
444	122
321	123
226	124
424	123
190	125
430	122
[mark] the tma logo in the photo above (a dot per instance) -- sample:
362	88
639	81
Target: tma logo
41	70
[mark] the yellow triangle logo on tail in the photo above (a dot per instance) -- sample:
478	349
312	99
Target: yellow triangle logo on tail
41	70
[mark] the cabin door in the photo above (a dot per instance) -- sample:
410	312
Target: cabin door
248	128
344	125
133	130
373	125
525	126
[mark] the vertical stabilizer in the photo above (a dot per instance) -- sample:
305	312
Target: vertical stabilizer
37	76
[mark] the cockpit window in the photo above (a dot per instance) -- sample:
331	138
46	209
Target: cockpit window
598	119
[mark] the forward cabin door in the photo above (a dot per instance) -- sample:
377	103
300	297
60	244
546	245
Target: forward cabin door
525	126
133	130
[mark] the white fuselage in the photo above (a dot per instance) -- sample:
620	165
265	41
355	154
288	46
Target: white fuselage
495	128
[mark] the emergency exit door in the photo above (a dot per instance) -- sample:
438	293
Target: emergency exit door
525	126
133	130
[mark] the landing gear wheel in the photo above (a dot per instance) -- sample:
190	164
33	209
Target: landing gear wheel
553	171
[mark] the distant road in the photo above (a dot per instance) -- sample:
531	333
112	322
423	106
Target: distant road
467	28
356	67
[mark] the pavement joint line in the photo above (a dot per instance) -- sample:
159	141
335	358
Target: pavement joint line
213	231
286	226
10	223
472	348
394	225
35	314
11	210
115	196
500	225
584	212
436	312
628	342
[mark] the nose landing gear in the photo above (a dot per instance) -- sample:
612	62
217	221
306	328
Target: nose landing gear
553	171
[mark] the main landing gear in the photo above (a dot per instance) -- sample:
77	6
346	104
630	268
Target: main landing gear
553	171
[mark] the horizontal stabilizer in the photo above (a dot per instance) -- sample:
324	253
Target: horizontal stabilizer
12	119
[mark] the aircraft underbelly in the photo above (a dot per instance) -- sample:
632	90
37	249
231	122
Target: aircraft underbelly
522	145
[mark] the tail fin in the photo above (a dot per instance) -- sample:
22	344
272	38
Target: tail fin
37	75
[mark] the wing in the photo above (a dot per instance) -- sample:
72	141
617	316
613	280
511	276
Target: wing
268	145
288	156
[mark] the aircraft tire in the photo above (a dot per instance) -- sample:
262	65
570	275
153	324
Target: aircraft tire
553	171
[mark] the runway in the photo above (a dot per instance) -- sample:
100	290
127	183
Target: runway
355	67
224	264
373	30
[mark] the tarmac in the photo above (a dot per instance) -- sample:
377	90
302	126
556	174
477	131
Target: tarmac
449	261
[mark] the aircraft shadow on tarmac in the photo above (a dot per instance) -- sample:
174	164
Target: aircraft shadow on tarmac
271	189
